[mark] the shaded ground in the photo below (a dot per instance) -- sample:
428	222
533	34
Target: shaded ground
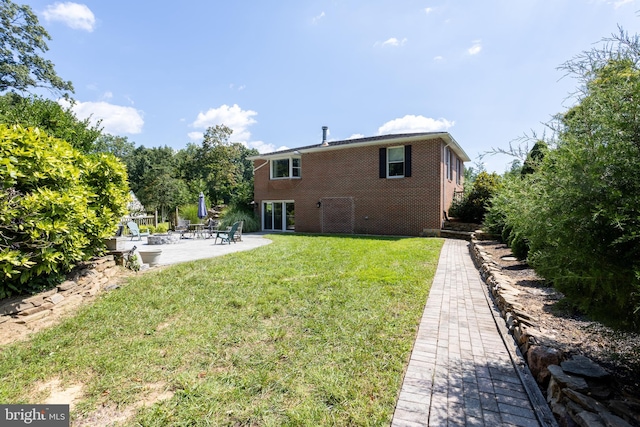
568	330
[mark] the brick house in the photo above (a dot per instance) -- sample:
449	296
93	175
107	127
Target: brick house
389	185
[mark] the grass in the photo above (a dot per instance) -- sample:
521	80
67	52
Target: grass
310	330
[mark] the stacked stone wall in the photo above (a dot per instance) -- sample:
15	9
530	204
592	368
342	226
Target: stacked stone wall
579	391
85	281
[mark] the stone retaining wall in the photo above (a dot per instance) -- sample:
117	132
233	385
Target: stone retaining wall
460	226
85	281
579	392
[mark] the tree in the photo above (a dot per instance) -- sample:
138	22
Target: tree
221	165
579	209
534	158
163	192
119	146
143	163
23	40
474	204
48	115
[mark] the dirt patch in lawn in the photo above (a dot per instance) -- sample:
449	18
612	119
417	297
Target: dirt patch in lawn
110	414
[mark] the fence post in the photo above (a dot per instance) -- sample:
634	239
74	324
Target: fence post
155	219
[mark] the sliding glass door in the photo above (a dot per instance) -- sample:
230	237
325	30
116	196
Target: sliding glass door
278	216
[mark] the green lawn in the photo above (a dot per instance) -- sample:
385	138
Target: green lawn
310	330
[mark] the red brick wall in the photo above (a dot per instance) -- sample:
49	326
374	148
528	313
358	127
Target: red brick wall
400	206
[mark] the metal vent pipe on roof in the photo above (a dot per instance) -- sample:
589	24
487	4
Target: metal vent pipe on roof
324	136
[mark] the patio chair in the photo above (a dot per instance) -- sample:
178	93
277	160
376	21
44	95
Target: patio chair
238	236
211	227
135	231
227	236
182	227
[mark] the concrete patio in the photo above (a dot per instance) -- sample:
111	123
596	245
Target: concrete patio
190	249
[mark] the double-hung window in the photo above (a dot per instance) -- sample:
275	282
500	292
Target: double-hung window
448	164
395	162
289	167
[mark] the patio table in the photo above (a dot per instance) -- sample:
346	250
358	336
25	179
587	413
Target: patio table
197	230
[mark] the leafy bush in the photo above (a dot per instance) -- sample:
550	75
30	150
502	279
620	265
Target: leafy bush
147	228
474	204
234	214
189	212
579	211
162	228
506	214
56	207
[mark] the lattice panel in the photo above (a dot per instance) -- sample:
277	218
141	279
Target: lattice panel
338	215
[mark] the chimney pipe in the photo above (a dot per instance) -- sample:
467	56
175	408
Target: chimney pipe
324	136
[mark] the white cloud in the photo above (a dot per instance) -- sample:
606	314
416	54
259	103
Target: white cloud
475	48
428	10
318	18
75	15
107	95
233	117
438	58
393	42
116	119
263	147
195	136
620	3
412	124
356	136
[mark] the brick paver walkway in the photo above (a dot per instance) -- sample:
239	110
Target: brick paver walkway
460	372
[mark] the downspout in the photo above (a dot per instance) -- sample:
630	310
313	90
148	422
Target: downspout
444	179
260	206
255	169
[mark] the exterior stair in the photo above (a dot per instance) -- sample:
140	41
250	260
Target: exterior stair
453	230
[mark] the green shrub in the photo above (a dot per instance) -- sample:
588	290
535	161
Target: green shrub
162	228
234	214
189	212
473	206
578	208
506	214
519	244
147	228
56	207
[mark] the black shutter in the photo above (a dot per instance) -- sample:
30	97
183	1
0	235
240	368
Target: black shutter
407	160
383	163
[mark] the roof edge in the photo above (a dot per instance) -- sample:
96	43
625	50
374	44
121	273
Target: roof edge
364	142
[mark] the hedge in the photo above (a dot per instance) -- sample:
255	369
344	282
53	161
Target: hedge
56	207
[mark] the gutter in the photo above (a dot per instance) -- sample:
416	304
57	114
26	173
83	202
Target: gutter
338	145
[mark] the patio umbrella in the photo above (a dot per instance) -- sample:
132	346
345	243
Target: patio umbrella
202	207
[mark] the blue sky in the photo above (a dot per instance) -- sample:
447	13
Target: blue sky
160	73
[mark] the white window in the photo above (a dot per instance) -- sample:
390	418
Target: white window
289	167
395	162
447	163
